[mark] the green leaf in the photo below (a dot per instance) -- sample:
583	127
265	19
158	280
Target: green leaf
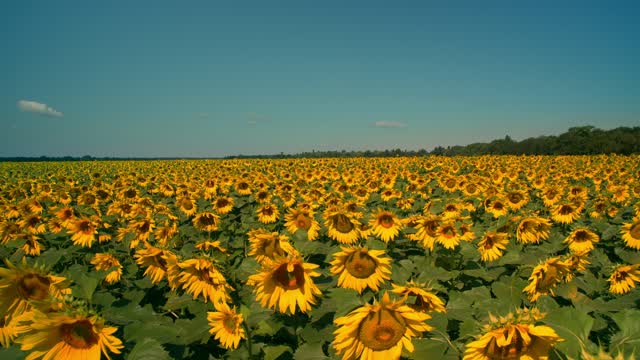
12	353
274	352
573	326
310	351
148	349
627	340
50	258
509	291
430	349
175	301
84	287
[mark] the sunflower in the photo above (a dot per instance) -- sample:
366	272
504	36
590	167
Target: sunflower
142	228
66	216
425	300
187	206
631	233
378	331
32	246
447	235
386	225
206	221
104	261
532	230
496	207
303	220
12	327
359	268
266	245
565	213
545	277
492	245
22	286
83	232
201	276
33	224
623	278
243	188
285	283
581	240
268	213
68	337
341	225
223	204
226	325
426	230
516	199
157	263
513	337
165	232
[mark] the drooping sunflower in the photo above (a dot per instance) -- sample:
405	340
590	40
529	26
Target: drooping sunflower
226	325
105	261
359	268
623	279
201	276
378	331
304	220
21	286
425	300
206	221
268	213
545	277
266	245
83	232
532	230
492	245
156	262
285	284
513	337
631	233
69	337
582	240
386	225
341	225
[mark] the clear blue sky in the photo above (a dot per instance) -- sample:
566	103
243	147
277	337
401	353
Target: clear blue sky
214	78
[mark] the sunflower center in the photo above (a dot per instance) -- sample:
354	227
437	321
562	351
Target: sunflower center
229	323
515	198
267	211
361	265
207	220
498	205
158	261
386	221
130	194
222	203
342	223
634	231
448	232
382	330
581	236
302	222
290	280
565	210
187	205
80	334
451	183
471	188
33	286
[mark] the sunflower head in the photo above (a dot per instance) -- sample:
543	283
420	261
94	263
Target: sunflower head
359	268
425	299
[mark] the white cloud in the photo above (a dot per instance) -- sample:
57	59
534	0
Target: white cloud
38	108
389	124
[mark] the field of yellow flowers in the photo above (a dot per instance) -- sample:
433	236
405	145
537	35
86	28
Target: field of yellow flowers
421	258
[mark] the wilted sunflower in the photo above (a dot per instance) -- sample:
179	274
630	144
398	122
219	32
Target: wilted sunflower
22	286
226	325
359	268
206	221
341	225
631	233
386	225
268	245
545	277
268	213
532	230
69	337
157	263
286	283
378	331
303	220
104	261
581	240
624	278
513	337
201	276
223	204
83	232
425	300
492	245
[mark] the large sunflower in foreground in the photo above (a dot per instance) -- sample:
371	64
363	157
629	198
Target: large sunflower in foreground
286	283
226	325
69	337
513	337
378	331
12	327
386	225
359	268
22	286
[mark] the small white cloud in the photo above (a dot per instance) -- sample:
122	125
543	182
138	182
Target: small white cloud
389	124
38	108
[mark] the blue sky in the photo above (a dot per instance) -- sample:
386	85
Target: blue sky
209	78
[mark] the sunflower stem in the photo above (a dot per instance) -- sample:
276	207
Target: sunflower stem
249	344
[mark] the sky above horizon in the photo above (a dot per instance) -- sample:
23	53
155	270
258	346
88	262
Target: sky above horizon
210	79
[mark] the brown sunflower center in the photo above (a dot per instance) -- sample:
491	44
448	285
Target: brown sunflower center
360	264
222	203
159	261
33	286
581	236
515	197
303	222
130	194
498	205
386	221
229	323
271	248
342	223
634	230
187	204
448	231
207	220
79	334
289	280
451	183
565	210
382	330
267	211
471	188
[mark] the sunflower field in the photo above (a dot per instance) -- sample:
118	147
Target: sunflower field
492	257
